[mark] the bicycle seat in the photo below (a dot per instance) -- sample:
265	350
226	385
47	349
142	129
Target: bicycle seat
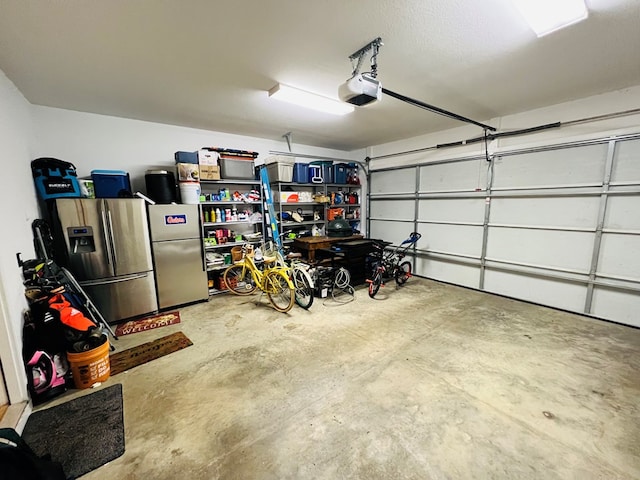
294	255
266	259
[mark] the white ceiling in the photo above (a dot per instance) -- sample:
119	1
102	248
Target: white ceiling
208	64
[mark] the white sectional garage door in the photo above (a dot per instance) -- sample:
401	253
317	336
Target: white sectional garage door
559	226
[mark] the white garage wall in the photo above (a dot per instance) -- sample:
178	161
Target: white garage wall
19	209
91	142
552	219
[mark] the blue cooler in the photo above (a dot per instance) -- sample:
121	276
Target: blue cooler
111	183
315	173
301	172
327	170
55	178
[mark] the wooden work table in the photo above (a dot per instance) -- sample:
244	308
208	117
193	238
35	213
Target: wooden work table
309	245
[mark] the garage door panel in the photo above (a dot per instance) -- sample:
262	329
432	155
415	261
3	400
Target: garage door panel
616	256
572	212
546	205
458	239
393	181
393	209
623	212
555	293
394	232
468	176
574	166
626	165
556	249
470	210
445	271
617	305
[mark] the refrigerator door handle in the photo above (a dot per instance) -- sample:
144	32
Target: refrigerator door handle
105	229
203	252
127	278
112	240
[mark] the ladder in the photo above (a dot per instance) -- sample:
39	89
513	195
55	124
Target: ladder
270	221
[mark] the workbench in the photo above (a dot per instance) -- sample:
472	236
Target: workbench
309	245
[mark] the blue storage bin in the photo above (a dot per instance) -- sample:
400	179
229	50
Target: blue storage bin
111	183
186	157
301	172
340	171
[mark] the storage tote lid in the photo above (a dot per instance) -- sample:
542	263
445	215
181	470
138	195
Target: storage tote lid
108	172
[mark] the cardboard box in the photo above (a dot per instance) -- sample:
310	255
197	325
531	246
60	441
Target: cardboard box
209	172
208	157
188	172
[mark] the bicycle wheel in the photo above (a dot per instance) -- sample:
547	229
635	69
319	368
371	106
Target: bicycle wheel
279	290
304	290
238	280
375	283
403	272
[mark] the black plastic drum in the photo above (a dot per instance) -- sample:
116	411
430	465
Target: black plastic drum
161	186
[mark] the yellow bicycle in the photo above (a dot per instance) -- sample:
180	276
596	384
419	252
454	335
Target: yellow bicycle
243	277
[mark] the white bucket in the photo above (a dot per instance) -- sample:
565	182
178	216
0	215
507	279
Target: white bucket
190	192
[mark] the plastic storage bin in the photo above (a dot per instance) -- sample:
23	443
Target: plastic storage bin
186	157
340	171
280	172
233	168
301	172
111	183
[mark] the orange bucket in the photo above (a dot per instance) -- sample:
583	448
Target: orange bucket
90	367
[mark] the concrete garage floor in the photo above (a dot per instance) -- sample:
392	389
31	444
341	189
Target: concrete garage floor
431	381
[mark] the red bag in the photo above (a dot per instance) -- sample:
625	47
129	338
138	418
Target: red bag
70	316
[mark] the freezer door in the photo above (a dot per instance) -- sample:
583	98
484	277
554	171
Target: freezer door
174	222
85	235
118	298
180	273
128	234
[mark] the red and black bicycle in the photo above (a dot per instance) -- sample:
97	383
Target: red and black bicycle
388	263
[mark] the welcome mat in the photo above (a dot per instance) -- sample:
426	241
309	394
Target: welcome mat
82	434
149	323
132	357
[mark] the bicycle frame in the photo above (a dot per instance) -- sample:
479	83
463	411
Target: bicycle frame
258	275
388	263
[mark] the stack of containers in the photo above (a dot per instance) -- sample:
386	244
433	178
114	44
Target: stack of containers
188	176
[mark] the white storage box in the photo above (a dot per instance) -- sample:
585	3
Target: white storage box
280	172
289	197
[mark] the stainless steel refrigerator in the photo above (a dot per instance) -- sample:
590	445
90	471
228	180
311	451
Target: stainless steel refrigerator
109	253
178	253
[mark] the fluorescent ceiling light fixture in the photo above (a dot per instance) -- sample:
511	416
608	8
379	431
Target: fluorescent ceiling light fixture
310	100
546	16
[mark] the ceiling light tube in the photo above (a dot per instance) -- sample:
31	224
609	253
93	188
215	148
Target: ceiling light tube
547	16
310	100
